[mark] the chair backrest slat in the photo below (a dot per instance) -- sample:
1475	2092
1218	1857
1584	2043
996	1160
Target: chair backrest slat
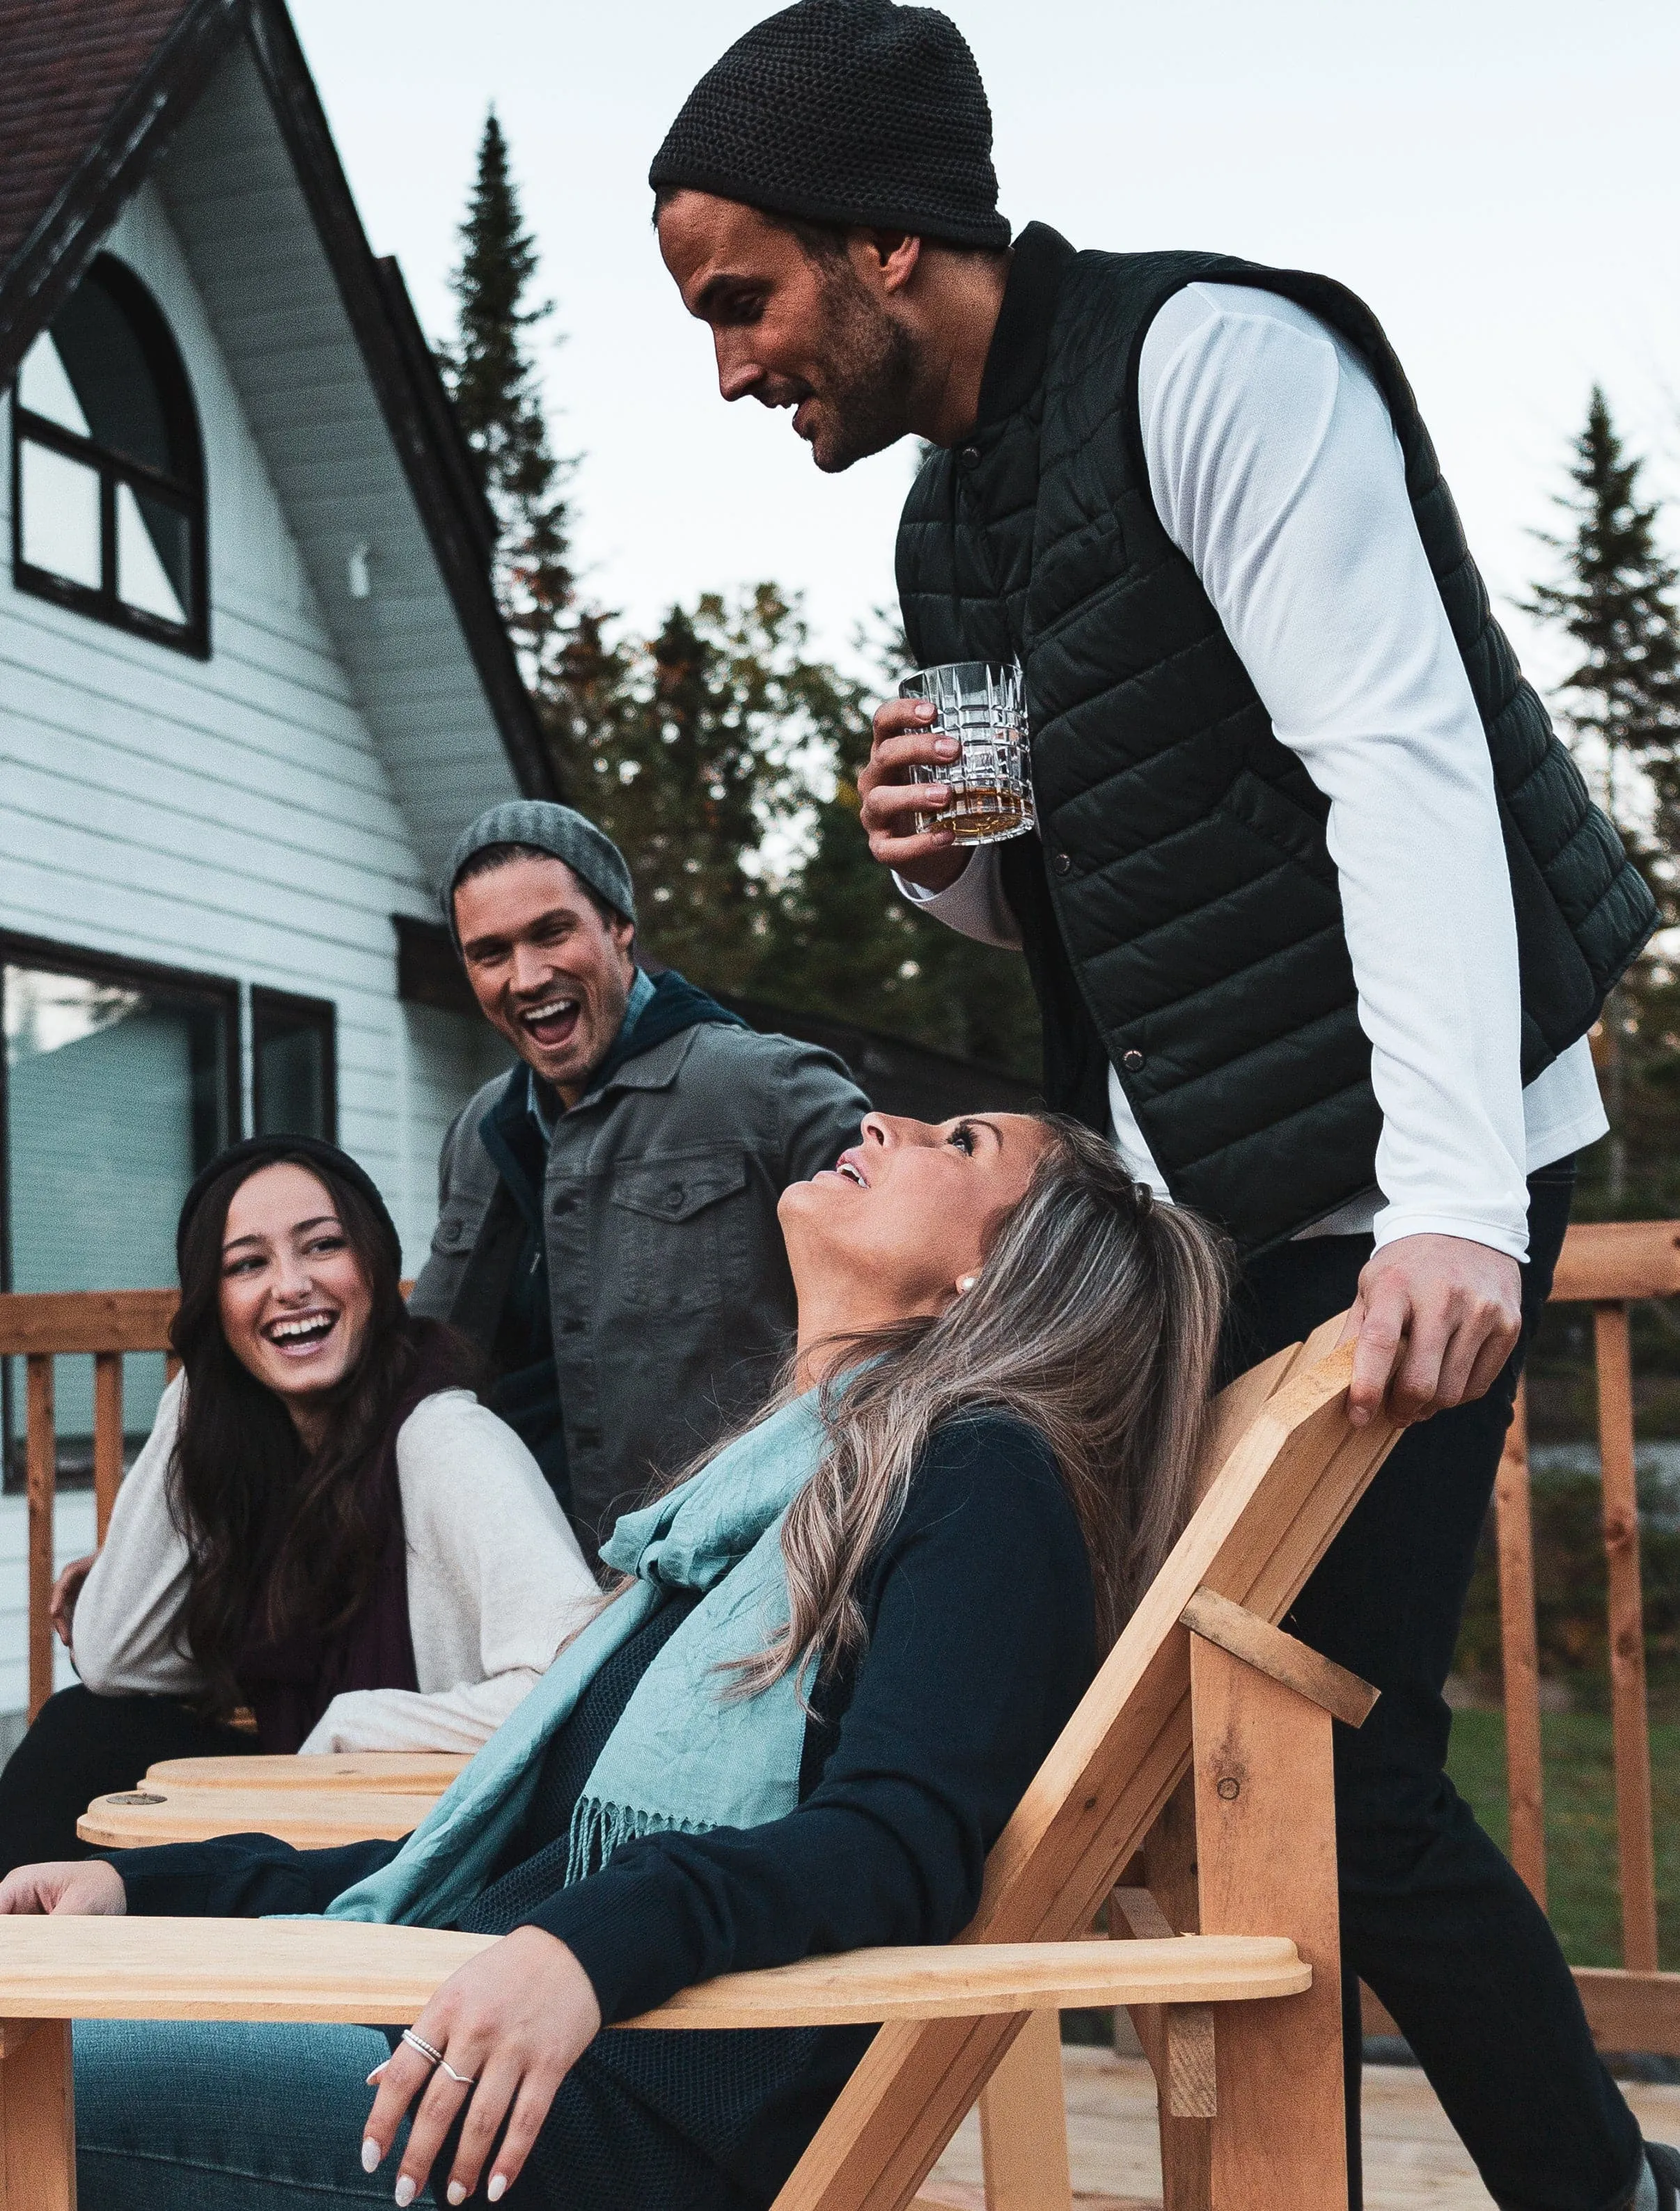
1293	1475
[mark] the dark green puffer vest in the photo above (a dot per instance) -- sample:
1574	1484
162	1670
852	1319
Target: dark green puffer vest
1182	915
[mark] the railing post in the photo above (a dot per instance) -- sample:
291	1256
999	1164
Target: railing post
1626	1639
1514	1525
107	1437
42	1449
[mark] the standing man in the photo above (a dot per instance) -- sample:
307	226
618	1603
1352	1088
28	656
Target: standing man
607	1224
1319	913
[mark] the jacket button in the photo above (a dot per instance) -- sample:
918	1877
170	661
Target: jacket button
1063	864
674	1193
970	456
1131	1060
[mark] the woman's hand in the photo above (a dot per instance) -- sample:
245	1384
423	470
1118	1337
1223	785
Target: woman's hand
514	2021
61	1606
84	1886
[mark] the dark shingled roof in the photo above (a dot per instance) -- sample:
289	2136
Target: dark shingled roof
89	92
64	71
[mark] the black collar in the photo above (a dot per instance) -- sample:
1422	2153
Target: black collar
1021	342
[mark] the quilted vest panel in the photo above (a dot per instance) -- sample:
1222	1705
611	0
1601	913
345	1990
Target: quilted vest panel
1179	908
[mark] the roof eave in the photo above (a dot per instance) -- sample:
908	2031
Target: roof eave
398	383
43	274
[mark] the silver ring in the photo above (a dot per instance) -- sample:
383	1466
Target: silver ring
463	2080
416	2042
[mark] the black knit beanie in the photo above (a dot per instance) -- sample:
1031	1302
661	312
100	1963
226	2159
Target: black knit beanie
257	1151
845	111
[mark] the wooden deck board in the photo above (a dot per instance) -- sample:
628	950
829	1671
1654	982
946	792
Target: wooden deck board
1413	2159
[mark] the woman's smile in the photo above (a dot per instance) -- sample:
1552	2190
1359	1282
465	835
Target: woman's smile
302	1335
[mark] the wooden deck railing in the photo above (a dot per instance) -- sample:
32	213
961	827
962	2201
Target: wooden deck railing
1608	1266
39	1328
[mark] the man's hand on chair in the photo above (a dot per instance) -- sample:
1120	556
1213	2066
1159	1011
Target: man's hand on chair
1436	1319
84	1887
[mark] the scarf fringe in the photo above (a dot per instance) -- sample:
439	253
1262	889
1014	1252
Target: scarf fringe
597	1830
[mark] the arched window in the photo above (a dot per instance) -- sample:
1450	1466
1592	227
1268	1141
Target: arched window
107	474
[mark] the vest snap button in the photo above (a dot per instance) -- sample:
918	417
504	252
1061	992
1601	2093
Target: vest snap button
1131	1060
1063	864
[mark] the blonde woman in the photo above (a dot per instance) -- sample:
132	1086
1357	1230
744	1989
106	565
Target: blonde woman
835	1657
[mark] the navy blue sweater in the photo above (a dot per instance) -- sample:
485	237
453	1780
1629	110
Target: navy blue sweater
981	1642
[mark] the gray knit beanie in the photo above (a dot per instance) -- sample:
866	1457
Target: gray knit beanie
593	858
845	111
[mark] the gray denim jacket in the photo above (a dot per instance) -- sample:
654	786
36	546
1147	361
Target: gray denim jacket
669	1288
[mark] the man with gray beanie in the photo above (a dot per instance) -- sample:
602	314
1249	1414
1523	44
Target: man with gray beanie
1317	909
607	1225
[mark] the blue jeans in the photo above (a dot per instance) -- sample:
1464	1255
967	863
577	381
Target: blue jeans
204	2116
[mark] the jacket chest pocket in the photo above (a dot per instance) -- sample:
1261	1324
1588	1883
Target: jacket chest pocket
679	1230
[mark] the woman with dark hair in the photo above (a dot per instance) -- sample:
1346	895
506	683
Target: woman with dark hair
837	1655
325	1527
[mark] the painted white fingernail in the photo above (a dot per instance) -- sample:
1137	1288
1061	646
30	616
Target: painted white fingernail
371	2154
498	2187
405	2192
457	2191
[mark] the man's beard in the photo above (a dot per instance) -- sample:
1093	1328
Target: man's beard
872	367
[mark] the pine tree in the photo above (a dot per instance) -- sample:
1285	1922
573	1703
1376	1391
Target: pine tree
696	746
1617	604
498	397
1620	703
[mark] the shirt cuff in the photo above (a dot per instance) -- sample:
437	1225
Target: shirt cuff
974	905
619	1927
1392	1225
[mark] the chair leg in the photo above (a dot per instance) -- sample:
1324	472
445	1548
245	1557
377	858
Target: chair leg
1023	2123
37	2116
1267	1864
1170	1867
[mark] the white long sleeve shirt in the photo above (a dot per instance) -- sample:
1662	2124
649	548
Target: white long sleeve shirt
1275	470
496	1581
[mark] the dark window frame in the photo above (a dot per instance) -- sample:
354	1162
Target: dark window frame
220	991
185	494
318	1013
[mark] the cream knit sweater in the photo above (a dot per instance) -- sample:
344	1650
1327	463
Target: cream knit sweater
496	1583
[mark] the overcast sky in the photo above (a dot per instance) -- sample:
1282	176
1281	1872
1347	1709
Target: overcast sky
1498	178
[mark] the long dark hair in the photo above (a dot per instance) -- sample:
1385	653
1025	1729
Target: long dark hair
283	1542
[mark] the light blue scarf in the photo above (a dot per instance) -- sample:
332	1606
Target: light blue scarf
686	1755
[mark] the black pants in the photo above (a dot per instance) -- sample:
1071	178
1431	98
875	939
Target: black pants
81	1747
1433	1916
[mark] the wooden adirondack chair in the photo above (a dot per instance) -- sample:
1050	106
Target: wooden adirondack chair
1202	1681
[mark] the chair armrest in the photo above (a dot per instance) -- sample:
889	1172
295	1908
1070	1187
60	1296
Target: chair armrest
308	1818
386	1772
344	1971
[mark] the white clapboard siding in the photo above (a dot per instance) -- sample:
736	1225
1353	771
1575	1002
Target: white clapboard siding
73	1527
240	816
261	815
